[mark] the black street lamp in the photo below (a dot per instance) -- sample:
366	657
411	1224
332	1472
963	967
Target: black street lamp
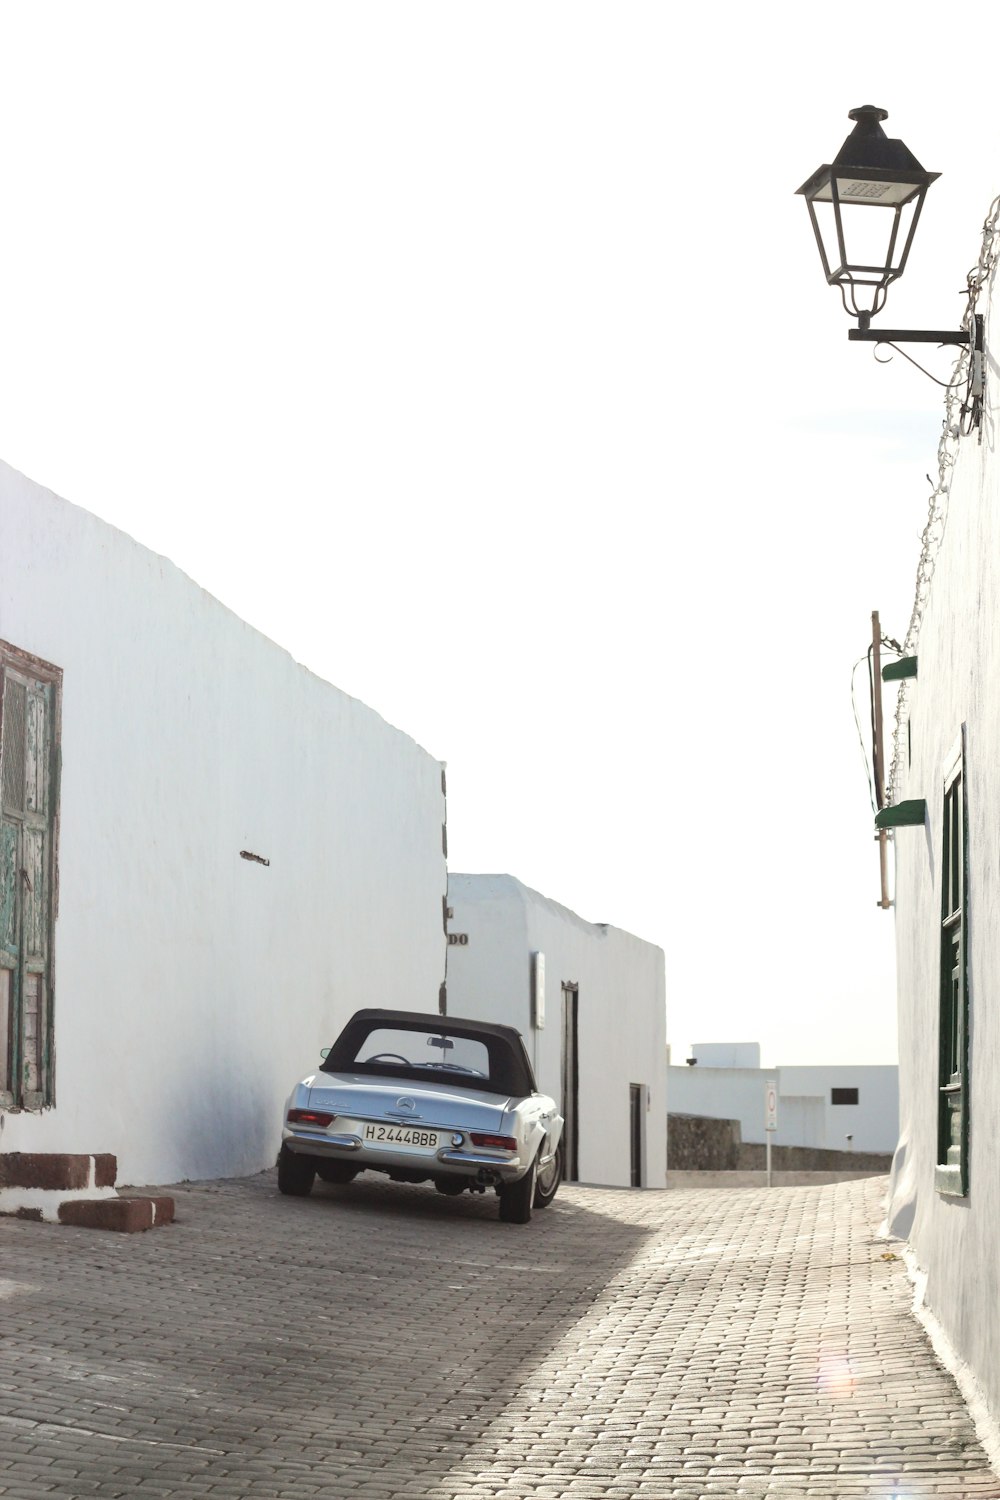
863	249
864	209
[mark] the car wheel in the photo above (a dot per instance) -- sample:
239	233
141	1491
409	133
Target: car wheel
296	1174
548	1180
516	1197
337	1171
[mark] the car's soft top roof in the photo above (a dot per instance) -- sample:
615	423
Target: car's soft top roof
510	1066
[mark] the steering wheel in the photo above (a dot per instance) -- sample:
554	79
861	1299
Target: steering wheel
389	1057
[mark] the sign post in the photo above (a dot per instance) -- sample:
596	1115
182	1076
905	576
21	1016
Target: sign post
770	1118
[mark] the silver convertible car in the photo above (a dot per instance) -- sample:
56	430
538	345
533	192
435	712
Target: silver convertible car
425	1098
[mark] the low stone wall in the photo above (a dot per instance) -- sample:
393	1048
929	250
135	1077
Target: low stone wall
753	1158
697	1143
716	1180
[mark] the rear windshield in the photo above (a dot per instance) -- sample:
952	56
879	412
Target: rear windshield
420	1052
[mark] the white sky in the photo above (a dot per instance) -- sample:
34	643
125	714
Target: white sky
481	356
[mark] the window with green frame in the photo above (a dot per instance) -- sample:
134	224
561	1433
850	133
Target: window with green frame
952	1171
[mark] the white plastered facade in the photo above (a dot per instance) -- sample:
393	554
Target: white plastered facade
192	987
955	1240
621	1028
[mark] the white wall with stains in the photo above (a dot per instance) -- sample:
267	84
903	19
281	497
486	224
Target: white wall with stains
955	1240
621	1008
193	987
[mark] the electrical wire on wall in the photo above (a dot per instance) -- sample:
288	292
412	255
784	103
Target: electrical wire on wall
956	425
857	724
874	792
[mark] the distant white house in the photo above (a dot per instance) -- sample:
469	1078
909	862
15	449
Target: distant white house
726	1054
589	1000
839	1108
208	858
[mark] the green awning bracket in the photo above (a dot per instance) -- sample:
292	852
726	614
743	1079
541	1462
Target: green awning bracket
895	671
912	814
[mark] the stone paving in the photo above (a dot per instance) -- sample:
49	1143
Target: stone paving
389	1343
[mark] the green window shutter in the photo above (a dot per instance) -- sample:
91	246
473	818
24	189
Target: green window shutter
895	671
912	814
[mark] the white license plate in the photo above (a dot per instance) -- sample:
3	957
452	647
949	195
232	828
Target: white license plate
399	1135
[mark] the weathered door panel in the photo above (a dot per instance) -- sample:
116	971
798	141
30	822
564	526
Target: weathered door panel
33	1041
15	695
27	802
34	894
8	892
6	1038
36	751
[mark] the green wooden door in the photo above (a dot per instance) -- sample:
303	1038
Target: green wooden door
27	812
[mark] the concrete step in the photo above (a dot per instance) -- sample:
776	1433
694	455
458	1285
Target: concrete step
124	1214
61	1187
57	1171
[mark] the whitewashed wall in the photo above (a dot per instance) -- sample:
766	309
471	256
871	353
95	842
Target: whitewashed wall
738	1094
726	1054
806	1116
956	1241
193	987
873	1121
622	1010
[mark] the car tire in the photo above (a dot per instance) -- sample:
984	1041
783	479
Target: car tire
547	1181
296	1174
340	1172
517	1197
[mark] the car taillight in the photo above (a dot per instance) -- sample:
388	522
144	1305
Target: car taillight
309	1117
498	1142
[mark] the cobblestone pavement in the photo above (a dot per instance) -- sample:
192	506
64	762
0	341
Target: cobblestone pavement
389	1343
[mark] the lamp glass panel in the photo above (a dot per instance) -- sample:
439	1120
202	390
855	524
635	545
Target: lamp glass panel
867	236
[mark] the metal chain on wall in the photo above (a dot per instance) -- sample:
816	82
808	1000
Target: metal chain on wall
952	432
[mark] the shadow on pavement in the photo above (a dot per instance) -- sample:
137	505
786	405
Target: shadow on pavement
357	1340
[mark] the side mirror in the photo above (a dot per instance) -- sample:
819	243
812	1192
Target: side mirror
324	1052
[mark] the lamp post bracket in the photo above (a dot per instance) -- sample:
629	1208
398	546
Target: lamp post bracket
907	336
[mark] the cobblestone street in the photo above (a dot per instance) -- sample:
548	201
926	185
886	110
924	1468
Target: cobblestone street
390	1343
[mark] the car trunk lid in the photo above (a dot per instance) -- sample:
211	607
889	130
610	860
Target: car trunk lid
357	1097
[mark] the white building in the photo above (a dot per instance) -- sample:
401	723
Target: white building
589	1001
210	858
833	1107
944	814
726	1054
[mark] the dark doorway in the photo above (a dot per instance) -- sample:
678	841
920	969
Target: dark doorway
570	1082
635	1096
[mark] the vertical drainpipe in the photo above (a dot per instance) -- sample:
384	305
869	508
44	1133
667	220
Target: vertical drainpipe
445	909
878	759
537	1005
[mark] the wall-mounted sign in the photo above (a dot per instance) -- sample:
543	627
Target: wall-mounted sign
538	990
458	940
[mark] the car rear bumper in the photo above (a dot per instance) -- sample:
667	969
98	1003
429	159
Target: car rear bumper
445	1162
